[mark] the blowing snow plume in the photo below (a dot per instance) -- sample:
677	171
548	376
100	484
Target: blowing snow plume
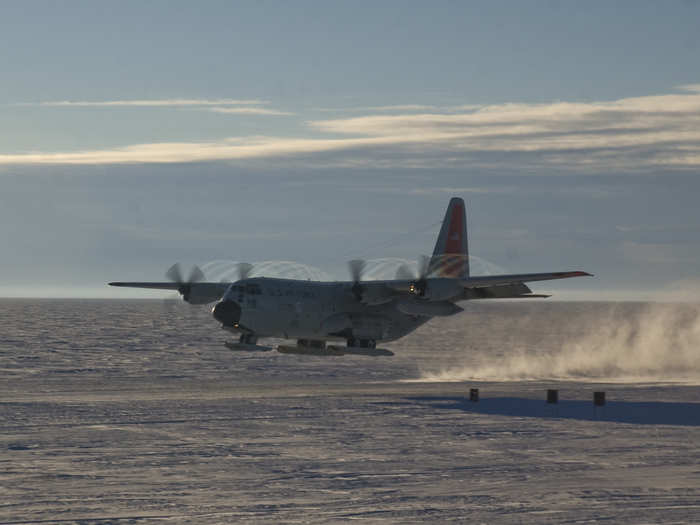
616	342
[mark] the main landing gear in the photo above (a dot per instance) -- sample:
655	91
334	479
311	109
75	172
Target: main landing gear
314	347
247	342
309	347
361	343
248	339
358	346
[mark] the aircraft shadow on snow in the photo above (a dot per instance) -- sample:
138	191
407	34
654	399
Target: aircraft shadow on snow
632	412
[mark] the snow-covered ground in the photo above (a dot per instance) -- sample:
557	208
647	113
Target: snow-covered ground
134	412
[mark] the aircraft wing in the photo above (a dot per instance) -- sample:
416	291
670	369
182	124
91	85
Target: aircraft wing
499	280
174	286
155	286
195	293
479	287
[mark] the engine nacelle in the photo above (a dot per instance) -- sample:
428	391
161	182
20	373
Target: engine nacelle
199	294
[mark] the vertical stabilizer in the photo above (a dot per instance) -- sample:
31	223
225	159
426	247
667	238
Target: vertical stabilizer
451	254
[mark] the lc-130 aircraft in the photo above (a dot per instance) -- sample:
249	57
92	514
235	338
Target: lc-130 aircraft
362	313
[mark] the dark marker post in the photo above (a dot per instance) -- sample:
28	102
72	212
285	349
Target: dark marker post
599	399
598	404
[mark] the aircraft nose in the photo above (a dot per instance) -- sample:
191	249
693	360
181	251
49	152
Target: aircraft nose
227	313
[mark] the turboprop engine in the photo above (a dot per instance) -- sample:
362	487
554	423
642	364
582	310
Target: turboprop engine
188	288
437	289
424	286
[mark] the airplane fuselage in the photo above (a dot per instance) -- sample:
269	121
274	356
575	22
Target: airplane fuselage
313	310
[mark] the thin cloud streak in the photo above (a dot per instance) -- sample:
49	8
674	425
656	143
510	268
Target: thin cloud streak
629	133
397	107
250	111
403	107
168	102
180	152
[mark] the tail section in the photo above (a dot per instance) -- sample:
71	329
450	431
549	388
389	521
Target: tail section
451	254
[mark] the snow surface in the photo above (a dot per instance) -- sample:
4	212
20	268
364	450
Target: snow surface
134	412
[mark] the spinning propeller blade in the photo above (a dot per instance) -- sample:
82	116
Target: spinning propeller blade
174	273
196	275
244	270
405	273
356	267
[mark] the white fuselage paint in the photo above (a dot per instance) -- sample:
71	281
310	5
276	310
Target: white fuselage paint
297	309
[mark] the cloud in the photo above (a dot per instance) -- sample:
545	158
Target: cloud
403	107
167	102
179	152
631	134
251	110
650	130
223	105
395	107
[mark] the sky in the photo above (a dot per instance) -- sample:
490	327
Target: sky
137	134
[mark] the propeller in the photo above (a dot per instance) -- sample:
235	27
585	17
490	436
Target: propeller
356	267
175	274
244	270
420	284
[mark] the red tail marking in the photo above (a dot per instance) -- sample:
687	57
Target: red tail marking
454	234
